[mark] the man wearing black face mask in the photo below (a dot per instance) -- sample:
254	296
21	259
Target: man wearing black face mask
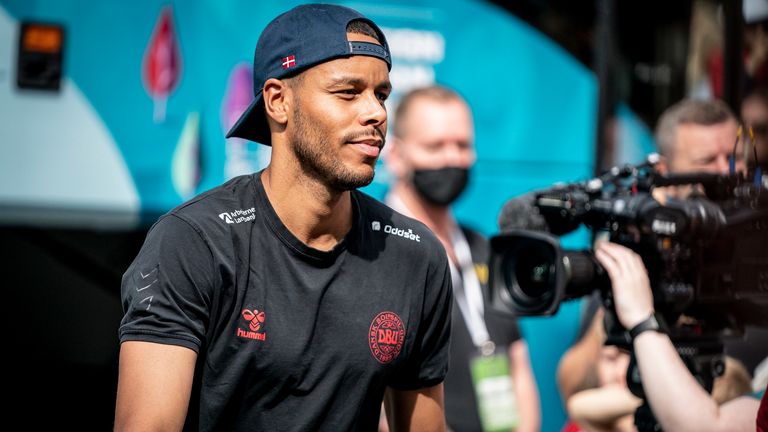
430	157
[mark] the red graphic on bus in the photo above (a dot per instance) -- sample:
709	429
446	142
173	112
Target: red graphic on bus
162	63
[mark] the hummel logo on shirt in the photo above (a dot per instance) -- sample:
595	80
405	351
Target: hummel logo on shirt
255	319
238	216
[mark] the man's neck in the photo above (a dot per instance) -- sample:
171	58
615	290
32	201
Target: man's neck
437	218
315	214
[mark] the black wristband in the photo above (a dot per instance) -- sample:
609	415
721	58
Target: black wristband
647	324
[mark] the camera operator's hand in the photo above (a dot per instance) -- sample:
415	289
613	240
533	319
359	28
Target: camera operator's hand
629	282
677	400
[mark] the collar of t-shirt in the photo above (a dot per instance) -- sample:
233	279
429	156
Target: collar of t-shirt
297	246
466	285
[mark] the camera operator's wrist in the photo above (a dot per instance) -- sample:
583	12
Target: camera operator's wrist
637	318
649	324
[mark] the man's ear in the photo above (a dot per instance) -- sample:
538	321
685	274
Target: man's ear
393	157
277	102
663	165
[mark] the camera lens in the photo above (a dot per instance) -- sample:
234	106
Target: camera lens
530	273
535	273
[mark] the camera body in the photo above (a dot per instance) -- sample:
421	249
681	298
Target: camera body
706	256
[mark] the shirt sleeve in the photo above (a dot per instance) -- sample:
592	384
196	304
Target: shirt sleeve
167	291
428	363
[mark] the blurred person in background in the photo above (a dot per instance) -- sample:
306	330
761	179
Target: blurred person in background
609	406
430	157
697	136
734	382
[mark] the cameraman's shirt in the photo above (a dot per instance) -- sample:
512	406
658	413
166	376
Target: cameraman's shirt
290	337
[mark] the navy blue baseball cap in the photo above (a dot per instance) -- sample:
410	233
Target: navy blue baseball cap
303	37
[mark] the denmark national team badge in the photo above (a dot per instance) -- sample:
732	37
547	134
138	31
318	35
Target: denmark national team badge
386	336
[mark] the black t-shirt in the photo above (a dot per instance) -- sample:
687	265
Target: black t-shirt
461	410
290	337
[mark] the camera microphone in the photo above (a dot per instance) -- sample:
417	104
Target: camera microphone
521	213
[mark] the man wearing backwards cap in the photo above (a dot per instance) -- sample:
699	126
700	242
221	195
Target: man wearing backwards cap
286	299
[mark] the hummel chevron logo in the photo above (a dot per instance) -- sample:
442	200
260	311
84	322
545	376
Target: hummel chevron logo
148	300
145	287
145	281
144	276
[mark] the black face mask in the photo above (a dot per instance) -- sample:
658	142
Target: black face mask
440	186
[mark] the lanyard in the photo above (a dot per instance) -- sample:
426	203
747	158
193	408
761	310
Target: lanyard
467	290
466	285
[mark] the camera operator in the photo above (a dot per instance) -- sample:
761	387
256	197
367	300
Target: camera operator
697	136
692	136
430	157
678	402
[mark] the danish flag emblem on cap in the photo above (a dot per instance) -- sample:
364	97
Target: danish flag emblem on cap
289	61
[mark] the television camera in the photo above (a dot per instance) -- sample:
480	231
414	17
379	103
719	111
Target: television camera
706	255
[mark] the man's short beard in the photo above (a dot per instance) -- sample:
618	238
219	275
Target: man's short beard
310	150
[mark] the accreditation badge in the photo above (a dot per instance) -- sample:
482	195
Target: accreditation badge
496	402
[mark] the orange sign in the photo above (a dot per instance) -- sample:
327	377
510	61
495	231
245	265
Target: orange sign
42	38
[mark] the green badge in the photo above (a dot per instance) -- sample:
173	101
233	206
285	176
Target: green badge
495	396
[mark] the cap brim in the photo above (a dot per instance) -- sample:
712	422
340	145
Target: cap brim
252	125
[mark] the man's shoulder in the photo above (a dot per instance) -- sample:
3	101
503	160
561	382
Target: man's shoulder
230	203
479	245
380	217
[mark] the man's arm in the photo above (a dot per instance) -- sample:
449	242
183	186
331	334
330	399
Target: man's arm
576	370
416	410
154	386
676	399
603	408
526	392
